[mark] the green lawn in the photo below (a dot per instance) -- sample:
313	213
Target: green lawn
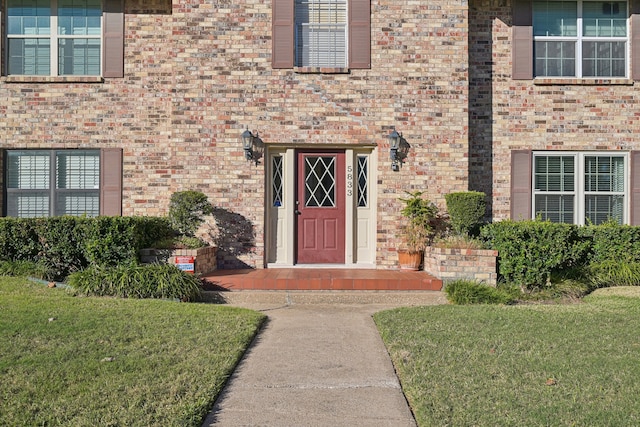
79	361
526	365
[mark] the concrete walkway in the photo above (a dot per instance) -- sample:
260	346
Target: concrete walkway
319	361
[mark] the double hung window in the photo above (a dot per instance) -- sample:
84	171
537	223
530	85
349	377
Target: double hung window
43	183
54	37
326	36
580	38
321	33
580	188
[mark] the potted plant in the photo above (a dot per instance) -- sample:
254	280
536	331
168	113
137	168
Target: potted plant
418	231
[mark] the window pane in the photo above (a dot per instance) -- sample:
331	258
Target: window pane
28	170
555	208
277	182
28	17
606	59
320	185
554	173
79	17
555	18
604	173
79	57
78	203
363	190
602	208
29	57
604	19
78	170
29	205
555	58
321	46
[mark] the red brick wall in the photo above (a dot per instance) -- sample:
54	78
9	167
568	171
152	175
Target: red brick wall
508	114
198	72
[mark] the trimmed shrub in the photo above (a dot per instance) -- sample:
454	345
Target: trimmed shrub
111	241
531	251
67	244
463	292
151	229
137	281
612	241
466	211
60	239
186	211
18	239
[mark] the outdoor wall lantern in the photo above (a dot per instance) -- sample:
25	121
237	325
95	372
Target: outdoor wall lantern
252	145
394	145
247	144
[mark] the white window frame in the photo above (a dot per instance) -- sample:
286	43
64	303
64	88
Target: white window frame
579	38
579	192
333	59
54	39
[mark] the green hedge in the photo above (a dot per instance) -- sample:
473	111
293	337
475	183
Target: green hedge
612	241
67	244
466	211
529	252
18	239
111	241
61	244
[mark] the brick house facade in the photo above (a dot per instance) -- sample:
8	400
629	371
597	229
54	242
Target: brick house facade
179	81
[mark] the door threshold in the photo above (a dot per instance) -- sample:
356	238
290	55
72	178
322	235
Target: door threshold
325	266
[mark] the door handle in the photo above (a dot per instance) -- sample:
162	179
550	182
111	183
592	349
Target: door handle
297	212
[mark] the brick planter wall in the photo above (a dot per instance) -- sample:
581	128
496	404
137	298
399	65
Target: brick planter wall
450	264
205	258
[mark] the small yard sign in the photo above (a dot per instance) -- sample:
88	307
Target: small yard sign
186	264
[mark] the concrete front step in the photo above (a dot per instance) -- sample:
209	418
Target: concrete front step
250	298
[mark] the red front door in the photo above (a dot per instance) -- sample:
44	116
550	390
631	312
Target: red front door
320	207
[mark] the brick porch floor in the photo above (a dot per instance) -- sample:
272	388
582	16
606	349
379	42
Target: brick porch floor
322	279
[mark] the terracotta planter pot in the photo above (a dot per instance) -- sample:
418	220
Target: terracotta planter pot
410	260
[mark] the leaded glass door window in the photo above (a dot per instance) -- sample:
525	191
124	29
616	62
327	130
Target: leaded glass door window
320	182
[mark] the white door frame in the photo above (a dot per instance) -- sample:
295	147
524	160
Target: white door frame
360	221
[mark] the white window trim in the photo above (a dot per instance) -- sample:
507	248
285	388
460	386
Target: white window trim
53	38
307	24
579	38
579	191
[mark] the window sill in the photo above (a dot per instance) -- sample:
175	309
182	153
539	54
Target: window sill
50	79
321	70
582	82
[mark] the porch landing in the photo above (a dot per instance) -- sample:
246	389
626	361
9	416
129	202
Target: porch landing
331	279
